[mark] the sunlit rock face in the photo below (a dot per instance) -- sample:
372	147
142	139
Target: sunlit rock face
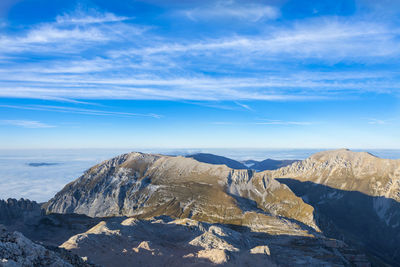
346	170
186	242
146	185
356	197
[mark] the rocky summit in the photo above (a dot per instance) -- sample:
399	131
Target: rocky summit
336	208
144	186
356	197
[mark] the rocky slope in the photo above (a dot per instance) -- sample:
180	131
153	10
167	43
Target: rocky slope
347	170
145	185
185	242
17	250
356	197
15	211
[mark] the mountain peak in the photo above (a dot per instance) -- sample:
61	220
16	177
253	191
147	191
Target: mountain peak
344	153
147	185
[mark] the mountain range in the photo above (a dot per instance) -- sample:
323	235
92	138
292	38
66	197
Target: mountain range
268	164
336	208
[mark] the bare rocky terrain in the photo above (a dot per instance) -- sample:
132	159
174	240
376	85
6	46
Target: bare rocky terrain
336	208
356	197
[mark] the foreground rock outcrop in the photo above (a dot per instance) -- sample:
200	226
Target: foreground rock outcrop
19	211
16	250
184	242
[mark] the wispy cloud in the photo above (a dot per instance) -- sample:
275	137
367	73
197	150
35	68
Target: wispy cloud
70	33
81	16
27	123
244	106
324	39
131	62
83	111
279	122
379	121
228	9
267	122
223	123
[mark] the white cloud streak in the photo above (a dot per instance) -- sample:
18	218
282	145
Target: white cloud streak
268	122
244	106
374	121
94	17
83	111
220	10
151	66
26	123
278	122
325	40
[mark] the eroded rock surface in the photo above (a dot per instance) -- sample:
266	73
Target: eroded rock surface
18	251
185	242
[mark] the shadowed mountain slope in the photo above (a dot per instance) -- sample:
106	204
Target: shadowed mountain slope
347	170
219	160
268	164
355	196
352	216
14	211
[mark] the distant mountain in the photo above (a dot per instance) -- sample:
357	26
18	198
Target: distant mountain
214	159
268	164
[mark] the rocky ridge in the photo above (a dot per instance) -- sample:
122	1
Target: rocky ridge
185	242
347	170
356	197
16	250
145	185
19	211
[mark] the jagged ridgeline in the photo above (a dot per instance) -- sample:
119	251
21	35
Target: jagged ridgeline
353	196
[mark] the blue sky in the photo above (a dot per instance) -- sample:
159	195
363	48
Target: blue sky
199	74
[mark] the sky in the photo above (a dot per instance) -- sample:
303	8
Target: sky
199	74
